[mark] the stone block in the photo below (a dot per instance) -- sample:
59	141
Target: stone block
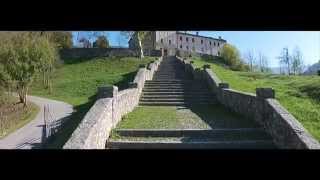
265	93
107	91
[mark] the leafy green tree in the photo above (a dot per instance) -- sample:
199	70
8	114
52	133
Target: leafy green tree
231	56
22	56
101	42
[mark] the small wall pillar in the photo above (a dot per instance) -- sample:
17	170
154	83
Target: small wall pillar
107	92
265	93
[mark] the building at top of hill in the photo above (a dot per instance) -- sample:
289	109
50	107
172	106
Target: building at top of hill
181	43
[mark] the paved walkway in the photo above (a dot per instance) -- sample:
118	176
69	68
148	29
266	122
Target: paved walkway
31	135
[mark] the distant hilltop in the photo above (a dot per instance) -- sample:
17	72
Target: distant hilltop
312	70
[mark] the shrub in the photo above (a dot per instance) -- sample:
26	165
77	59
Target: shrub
318	72
231	57
101	42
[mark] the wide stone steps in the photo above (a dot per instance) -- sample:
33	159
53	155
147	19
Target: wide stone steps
191	100
176	103
161	96
155	93
216	134
181	144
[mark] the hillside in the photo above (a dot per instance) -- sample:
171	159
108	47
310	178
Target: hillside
313	70
300	95
76	82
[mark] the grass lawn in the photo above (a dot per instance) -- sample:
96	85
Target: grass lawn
14	116
77	80
300	95
193	117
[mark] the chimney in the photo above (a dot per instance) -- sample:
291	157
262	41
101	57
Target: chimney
219	37
197	33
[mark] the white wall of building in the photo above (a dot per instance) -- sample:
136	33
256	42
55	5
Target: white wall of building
171	40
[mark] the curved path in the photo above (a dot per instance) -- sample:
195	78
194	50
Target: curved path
31	135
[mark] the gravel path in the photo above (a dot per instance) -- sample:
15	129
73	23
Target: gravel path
31	135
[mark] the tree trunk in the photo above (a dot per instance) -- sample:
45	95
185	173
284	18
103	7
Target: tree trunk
141	49
23	95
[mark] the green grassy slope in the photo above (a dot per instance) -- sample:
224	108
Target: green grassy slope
300	95
76	82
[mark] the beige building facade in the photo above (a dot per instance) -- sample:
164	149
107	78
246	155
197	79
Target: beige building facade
175	42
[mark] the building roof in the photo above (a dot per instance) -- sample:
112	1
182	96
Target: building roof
182	33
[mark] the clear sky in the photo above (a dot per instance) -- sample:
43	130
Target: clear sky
269	43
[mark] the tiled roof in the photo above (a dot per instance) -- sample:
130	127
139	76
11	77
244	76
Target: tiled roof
200	36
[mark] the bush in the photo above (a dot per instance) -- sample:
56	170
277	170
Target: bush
101	42
231	57
318	72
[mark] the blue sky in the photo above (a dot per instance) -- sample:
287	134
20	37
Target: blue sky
269	43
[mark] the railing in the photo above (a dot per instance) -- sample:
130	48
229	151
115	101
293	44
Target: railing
51	125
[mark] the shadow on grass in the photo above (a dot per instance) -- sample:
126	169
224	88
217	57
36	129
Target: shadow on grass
126	78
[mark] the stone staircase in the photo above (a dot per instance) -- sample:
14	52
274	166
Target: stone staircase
243	138
171	86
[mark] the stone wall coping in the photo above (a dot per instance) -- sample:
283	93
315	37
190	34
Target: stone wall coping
294	125
80	135
126	91
103	115
241	93
213	75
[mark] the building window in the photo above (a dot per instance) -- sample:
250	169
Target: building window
180	46
201	41
180	38
187	47
169	41
218	44
187	39
210	43
214	43
162	41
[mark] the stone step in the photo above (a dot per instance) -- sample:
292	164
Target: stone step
154	144
196	88
216	134
177	100
177	96
169	81
175	103
155	93
174	90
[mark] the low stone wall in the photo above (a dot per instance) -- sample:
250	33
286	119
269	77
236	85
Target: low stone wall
105	114
287	132
96	52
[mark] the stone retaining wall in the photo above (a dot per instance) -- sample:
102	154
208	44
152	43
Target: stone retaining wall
287	132
105	114
103	52
95	52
